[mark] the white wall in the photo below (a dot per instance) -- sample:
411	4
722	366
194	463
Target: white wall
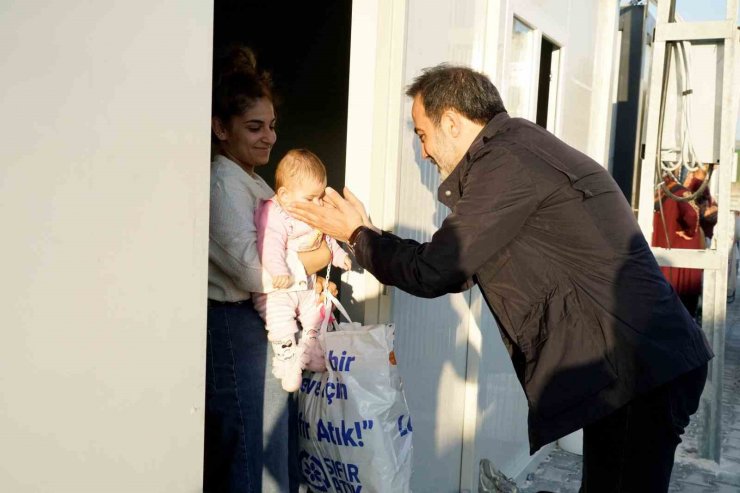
374	124
605	69
104	118
705	103
572	25
501	427
464	397
432	335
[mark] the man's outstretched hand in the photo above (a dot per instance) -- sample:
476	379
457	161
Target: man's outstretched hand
339	216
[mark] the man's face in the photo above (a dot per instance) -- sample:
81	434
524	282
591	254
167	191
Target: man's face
436	145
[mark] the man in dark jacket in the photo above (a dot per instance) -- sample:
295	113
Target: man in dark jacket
598	338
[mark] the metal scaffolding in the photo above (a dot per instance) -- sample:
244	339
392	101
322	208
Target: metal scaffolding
714	261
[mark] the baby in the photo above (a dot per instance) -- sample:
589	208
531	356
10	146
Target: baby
300	177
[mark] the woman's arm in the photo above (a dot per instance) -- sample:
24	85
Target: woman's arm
316	260
232	234
233	237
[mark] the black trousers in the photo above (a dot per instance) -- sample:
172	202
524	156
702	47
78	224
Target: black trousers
632	449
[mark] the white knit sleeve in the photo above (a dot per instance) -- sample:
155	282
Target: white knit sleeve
233	237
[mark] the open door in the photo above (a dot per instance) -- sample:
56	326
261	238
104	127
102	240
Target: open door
305	45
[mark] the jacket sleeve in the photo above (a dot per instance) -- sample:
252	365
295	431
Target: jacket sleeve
497	198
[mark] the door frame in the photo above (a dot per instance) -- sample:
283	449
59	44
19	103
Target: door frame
374	134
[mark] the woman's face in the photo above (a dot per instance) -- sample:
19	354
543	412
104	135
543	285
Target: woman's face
248	138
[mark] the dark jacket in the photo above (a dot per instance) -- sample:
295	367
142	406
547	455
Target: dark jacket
586	314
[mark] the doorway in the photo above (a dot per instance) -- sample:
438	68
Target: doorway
547	87
306	47
533	75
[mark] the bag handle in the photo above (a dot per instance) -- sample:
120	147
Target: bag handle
333	300
329	300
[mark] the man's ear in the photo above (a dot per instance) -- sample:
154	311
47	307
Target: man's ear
451	123
219	129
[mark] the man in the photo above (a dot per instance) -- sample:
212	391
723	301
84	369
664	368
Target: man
598	338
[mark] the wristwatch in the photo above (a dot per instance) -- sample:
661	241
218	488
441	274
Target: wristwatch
353	237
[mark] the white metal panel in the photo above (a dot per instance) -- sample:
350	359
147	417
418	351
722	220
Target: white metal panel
501	407
105	118
578	70
432	334
705	65
552	17
572	25
360	115
707	30
606	68
464	396
373	134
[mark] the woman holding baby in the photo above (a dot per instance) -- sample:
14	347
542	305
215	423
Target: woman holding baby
247	411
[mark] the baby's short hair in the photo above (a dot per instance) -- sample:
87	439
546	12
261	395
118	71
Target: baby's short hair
299	164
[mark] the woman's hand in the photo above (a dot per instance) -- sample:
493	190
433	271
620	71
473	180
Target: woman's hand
315	260
319	287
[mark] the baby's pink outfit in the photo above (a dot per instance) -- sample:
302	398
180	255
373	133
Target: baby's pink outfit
278	232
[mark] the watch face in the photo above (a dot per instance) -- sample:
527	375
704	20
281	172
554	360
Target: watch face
354	235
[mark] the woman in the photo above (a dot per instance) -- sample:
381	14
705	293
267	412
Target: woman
246	429
676	225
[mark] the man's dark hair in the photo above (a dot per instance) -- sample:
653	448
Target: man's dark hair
462	89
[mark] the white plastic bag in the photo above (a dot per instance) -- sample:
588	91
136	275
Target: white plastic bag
354	424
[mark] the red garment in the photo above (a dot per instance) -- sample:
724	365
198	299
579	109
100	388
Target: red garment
703	201
680	217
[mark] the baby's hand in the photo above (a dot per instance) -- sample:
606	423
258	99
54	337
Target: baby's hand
347	264
280	282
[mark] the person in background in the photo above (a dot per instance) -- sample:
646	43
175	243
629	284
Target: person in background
598	338
247	437
676	225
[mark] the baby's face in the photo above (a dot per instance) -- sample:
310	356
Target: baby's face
305	191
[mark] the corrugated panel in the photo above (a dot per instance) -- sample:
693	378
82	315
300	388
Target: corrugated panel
431	338
501	434
432	334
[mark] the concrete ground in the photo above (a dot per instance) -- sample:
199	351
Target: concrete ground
561	470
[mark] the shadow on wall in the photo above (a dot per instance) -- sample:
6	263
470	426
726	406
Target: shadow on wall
430	178
431	353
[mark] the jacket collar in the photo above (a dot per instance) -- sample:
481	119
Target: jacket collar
450	190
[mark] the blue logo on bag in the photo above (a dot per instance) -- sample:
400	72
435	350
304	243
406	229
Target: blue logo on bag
313	471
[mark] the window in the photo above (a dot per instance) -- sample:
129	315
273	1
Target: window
533	72
521	70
